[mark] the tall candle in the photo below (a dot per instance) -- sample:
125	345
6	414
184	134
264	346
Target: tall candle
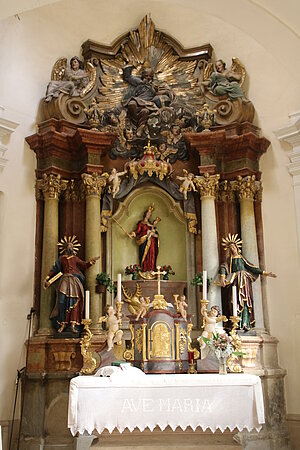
234	301
0	438
87	304
205	284
119	289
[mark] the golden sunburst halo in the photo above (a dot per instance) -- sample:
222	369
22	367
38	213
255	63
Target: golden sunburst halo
232	239
65	241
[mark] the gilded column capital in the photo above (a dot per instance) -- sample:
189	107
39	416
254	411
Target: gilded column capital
226	191
94	183
74	191
208	185
247	187
51	186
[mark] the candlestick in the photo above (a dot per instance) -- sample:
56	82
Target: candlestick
234	301
204	284
87	304
119	289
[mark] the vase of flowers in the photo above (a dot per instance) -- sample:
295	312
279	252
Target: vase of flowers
169	271
132	270
221	346
104	283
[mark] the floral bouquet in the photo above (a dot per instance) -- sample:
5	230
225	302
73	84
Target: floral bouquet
221	346
132	270
169	271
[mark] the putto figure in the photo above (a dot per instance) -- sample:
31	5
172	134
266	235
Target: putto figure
68	310
211	318
113	332
187	183
239	272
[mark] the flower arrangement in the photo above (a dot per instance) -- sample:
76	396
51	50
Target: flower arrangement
169	271
104	279
220	345
132	270
198	280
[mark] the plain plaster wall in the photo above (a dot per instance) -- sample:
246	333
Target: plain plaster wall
28	49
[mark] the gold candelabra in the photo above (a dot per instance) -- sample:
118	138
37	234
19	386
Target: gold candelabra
233	360
89	362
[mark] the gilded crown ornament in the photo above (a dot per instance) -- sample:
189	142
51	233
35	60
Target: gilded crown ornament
149	164
232	239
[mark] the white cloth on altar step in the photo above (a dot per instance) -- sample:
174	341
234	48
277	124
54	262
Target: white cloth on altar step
209	401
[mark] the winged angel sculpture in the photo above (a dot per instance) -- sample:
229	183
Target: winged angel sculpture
147	86
222	90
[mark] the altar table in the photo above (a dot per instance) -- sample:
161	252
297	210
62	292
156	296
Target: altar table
209	401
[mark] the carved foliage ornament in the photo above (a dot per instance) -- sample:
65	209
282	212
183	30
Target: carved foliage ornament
207	185
51	186
94	183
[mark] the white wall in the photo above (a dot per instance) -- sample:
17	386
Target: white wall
268	47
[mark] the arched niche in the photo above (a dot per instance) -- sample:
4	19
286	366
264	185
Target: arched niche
123	251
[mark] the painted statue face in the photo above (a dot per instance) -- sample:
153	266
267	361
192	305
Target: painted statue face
233	249
220	66
176	130
75	64
110	311
162	146
213	312
70	249
129	134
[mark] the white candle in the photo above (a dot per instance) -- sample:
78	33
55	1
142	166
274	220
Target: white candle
204	284
234	301
119	289
0	438
87	304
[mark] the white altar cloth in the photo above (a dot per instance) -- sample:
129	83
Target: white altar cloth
206	401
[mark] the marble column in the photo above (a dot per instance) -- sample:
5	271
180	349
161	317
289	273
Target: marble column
51	187
93	187
208	186
247	188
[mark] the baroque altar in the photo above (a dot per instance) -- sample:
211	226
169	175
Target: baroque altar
147	154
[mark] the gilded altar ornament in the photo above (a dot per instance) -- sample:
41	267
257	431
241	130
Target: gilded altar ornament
51	185
207	185
159	301
206	117
160	340
149	164
128	354
187	183
247	187
113	322
190	349
182	339
133	299
233	360
94	183
139	339
94	115
89	362
191	222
